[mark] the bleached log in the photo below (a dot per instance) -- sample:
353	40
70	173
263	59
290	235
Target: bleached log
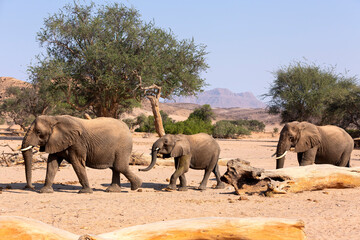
245	178
212	228
20	228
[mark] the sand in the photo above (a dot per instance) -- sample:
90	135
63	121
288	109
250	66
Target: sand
328	214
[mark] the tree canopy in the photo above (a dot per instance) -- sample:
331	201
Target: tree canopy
303	92
106	59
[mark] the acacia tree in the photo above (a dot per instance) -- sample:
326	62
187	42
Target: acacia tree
344	109
302	91
107	59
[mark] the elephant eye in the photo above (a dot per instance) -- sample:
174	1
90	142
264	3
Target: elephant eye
291	138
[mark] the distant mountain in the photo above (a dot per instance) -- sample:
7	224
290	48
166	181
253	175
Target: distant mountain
223	98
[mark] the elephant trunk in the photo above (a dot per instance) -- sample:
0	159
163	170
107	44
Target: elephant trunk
26	149
154	152
281	152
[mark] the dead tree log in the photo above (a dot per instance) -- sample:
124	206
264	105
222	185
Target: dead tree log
247	179
213	228
18	228
12	228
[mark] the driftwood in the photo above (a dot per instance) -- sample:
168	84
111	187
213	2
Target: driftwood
247	179
198	228
20	228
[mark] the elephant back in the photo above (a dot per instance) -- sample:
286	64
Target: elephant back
203	145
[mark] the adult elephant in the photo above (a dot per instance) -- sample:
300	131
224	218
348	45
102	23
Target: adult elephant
98	143
315	144
198	151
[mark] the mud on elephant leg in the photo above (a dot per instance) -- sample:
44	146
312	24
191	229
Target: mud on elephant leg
182	166
183	184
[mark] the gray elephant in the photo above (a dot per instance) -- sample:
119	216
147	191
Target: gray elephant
315	144
198	151
98	143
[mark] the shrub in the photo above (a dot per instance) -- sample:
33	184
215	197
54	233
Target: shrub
189	126
252	125
227	129
146	124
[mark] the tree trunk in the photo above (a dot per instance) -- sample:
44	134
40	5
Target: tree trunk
245	178
157	117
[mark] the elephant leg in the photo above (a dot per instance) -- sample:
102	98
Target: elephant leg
205	179
220	184
308	157
80	171
135	181
345	160
183	184
299	157
53	164
182	166
115	183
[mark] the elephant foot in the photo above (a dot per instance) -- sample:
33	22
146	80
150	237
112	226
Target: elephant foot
136	184
202	188
220	185
170	188
46	190
182	189
113	188
86	190
31	187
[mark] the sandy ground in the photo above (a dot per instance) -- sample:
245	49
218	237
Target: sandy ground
328	214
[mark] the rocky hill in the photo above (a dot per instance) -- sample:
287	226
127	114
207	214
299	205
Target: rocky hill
6	82
181	111
223	98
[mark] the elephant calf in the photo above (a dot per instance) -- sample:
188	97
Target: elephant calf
198	151
98	143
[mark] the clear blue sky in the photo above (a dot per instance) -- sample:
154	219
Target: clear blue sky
246	40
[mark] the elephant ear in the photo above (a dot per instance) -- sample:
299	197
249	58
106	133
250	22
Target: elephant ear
65	132
309	137
181	148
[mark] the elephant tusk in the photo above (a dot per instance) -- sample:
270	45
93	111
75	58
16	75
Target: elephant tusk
157	149
27	148
282	155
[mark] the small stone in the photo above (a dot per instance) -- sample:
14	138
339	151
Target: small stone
241	198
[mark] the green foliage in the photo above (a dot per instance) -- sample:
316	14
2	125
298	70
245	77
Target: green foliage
199	121
251	125
24	104
102	58
230	129
302	91
146	123
344	109
203	113
130	122
189	126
